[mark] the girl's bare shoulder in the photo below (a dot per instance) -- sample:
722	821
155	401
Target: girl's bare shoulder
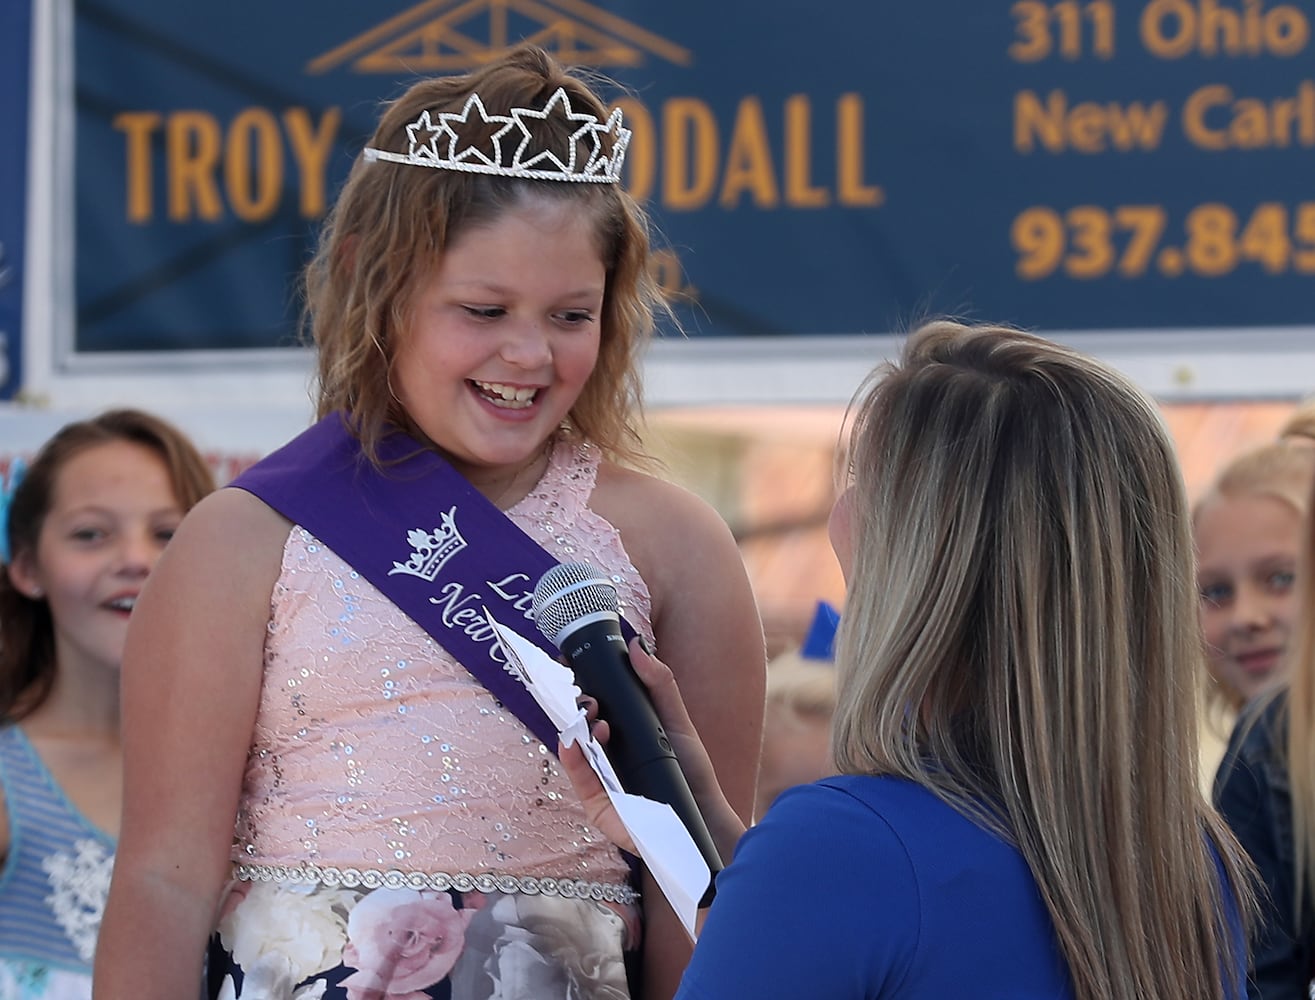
628	495
665	527
234	525
230	536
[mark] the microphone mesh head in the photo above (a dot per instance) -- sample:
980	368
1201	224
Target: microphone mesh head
569	592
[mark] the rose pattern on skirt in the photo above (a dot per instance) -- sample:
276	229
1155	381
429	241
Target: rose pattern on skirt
281	933
402	940
532	947
291	941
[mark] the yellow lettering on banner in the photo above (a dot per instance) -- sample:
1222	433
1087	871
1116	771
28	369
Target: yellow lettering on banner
311	148
849	155
245	167
749	159
137	127
1194	114
1249	123
799	190
690	164
1296	113
1275	236
253	184
192	145
1265	238
1171	29
1138	127
640	169
1287	31
1034	123
253	162
1045	29
1250	128
1087	127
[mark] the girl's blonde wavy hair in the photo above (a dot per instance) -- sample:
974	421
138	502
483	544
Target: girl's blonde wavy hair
392	223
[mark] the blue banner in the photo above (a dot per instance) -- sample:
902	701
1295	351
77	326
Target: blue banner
1067	165
15	62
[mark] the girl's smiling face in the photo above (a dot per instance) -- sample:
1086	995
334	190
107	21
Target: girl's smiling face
1247	552
112	512
503	337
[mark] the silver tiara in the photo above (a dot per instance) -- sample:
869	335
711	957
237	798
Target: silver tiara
441	144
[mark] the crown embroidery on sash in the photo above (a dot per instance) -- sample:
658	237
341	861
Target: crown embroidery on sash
430	550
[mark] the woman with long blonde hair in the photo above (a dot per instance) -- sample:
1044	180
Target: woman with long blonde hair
1018	811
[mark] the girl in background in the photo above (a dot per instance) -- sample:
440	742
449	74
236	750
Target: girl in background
85	527
1266	790
1248	528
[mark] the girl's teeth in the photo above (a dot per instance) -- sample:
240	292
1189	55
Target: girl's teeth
507	395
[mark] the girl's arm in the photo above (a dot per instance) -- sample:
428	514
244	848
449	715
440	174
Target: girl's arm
191	686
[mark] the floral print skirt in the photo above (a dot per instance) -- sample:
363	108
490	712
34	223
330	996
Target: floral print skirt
295	941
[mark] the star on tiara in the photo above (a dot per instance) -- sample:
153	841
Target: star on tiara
440	144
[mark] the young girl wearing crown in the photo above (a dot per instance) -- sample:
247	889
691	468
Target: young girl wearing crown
310	663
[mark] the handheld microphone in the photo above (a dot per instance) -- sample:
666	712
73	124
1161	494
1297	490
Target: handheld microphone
575	607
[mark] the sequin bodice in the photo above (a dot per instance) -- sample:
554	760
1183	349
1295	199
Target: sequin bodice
374	749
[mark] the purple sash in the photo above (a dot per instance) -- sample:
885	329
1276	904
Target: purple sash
426	538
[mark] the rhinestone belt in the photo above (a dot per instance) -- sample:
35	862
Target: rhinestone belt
372	878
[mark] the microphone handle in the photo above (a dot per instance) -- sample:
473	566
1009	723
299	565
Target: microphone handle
637	745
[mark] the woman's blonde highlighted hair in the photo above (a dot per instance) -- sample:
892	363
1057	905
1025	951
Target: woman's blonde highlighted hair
1020	636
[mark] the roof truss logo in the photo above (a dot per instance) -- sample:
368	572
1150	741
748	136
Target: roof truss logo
455	36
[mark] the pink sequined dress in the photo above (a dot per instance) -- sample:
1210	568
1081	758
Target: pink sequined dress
401	835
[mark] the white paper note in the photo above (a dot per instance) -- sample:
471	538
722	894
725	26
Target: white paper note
661	839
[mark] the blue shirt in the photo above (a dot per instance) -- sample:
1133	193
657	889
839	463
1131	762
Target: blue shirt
872	887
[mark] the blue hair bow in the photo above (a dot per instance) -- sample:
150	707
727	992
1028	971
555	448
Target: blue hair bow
820	642
17	468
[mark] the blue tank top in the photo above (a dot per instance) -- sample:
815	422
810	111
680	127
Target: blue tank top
54	882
